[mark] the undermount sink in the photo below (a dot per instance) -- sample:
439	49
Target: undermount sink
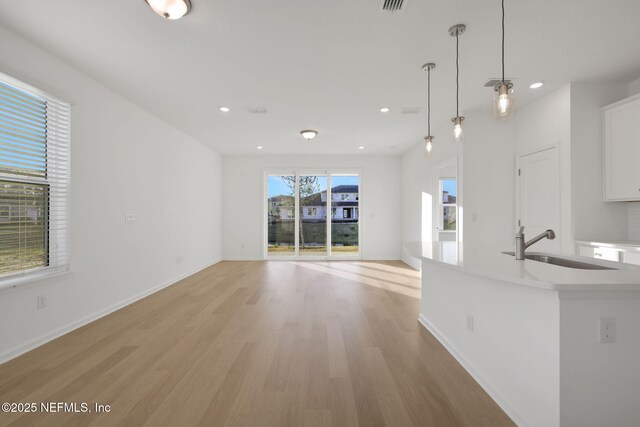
563	262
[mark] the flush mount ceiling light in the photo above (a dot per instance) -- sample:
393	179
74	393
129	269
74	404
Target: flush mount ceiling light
170	9
428	140
361	147
225	109
536	85
308	134
384	110
458	135
259	147
503	91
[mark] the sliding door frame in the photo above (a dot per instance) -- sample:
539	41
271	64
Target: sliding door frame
297	172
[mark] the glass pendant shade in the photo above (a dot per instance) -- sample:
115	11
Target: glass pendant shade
170	9
428	144
458	133
503	101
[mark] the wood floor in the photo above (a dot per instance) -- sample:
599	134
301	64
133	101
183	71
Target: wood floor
258	344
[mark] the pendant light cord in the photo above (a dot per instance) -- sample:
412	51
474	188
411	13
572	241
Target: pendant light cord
429	102
502	41
457	77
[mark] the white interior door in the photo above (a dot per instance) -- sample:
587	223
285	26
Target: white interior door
538	207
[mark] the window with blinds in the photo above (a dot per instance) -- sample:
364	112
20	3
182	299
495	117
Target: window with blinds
34	180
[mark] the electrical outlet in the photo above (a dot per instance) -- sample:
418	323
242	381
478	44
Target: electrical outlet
607	329
42	302
130	219
470	322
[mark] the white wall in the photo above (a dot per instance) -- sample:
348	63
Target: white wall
486	169
420	189
593	219
633	218
489	179
539	125
124	161
633	213
634	87
242	201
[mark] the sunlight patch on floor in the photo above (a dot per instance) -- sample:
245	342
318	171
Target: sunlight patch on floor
354	271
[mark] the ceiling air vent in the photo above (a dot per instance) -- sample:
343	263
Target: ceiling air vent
410	110
392	5
494	82
257	110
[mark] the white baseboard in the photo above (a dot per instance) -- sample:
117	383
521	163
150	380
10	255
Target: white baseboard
468	366
43	339
412	262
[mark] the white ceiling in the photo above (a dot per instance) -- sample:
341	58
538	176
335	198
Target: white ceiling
327	65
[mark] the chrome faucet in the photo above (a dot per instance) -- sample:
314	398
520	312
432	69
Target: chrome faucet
521	246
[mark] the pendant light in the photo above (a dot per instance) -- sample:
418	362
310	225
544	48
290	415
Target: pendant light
458	134
170	9
503	91
428	140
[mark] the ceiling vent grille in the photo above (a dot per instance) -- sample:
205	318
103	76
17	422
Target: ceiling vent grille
496	81
410	110
257	110
392	5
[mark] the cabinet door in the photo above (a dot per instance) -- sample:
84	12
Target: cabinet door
584	250
609	254
632	257
622	151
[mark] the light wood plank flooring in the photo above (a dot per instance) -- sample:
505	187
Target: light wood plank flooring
258	344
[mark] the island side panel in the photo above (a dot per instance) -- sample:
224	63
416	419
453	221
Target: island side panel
600	382
513	350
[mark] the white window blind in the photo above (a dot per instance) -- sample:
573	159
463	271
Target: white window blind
34	180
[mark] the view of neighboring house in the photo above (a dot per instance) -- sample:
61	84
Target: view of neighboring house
449	217
12	212
448	199
281	208
344	206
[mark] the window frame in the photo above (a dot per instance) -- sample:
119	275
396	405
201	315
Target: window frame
57	179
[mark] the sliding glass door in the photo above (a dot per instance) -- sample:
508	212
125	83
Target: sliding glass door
312	209
281	224
312	215
345	215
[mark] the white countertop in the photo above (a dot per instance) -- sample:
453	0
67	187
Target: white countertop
486	259
616	244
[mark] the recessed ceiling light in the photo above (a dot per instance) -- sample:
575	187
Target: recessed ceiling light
361	147
259	147
536	85
384	110
308	134
225	109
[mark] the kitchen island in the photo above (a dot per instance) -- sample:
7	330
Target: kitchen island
530	333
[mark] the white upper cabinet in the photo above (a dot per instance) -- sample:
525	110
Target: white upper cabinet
622	150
